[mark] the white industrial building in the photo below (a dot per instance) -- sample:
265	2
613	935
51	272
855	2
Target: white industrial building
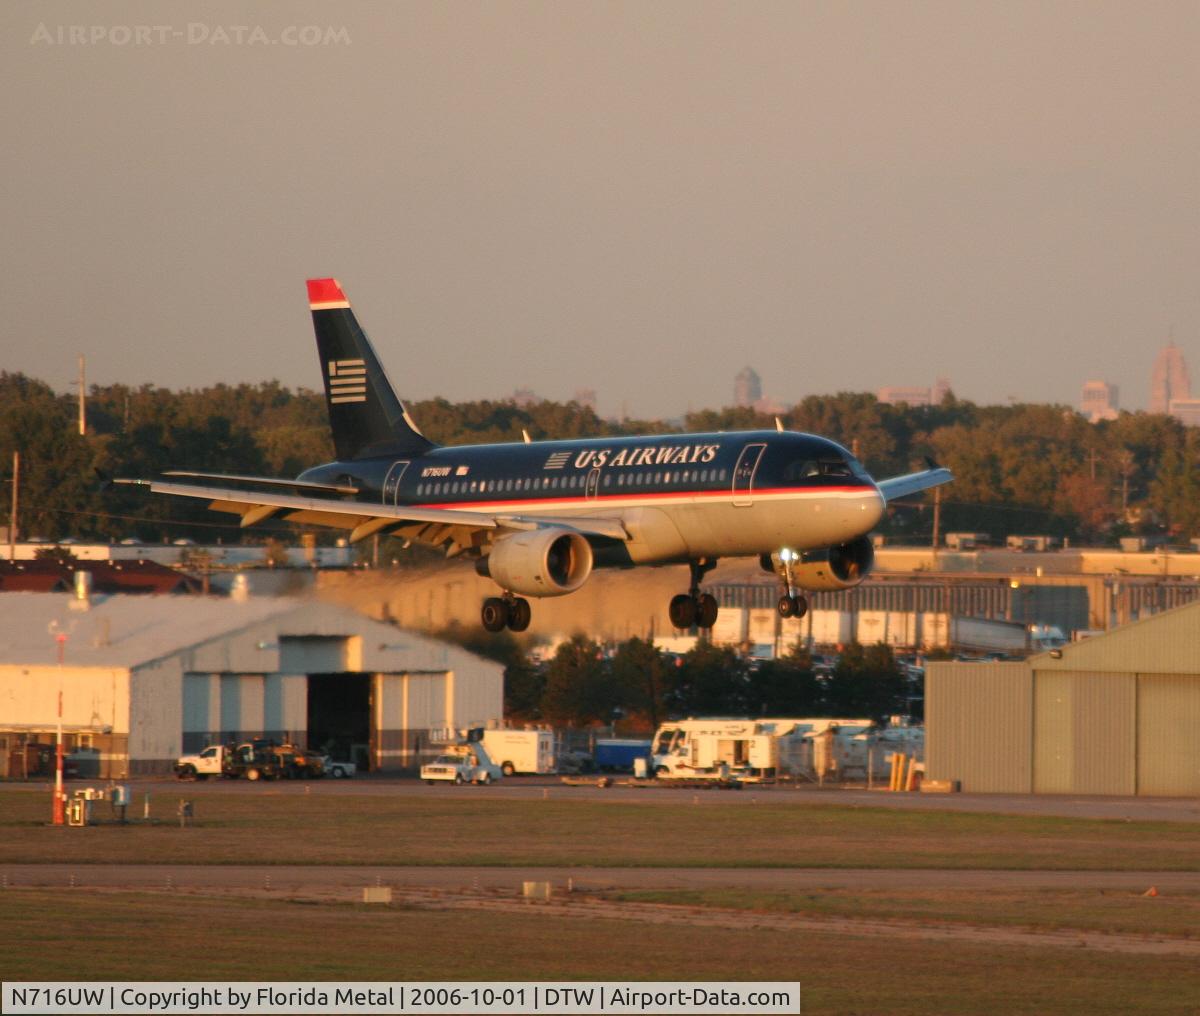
145	678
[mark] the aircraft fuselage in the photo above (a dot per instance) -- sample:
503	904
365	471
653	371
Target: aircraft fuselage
679	496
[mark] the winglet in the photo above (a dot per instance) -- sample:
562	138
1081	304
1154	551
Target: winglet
326	294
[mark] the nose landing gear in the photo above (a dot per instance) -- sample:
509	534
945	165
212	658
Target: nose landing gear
695	607
792	603
512	612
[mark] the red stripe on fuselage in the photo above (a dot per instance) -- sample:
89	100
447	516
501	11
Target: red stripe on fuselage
722	495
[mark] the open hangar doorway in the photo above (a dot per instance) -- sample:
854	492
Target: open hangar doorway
339	711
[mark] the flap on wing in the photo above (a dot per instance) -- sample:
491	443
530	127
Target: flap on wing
255	506
612	529
226	499
914	483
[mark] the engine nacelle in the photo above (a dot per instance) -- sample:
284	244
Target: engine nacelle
541	562
839	567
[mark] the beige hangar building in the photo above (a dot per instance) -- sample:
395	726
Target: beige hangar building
146	678
1115	714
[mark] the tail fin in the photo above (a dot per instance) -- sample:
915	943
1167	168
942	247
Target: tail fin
366	416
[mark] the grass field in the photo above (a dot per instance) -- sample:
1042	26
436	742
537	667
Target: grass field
273	827
1174	915
125	934
144	937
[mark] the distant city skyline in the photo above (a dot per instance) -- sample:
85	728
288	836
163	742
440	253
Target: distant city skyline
634	198
1099	401
1169	379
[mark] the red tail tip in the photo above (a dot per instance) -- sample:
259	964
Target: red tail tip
326	293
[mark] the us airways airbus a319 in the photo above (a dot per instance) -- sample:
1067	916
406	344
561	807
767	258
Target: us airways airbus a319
538	517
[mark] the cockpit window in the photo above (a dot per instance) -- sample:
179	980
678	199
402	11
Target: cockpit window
808	469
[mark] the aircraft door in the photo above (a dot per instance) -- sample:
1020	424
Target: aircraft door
743	474
593	483
391	486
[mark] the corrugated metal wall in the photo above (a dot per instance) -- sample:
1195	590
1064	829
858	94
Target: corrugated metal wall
414	711
1084	733
1064	605
1006	728
978	725
1168	732
314	654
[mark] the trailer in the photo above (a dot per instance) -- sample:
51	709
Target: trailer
618	754
713	749
520	751
991	635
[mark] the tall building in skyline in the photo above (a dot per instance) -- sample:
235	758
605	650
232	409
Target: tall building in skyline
1099	401
747	387
1169	379
525	397
586	398
1186	411
895	395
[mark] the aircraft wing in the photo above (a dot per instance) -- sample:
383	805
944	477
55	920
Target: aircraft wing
914	483
438	526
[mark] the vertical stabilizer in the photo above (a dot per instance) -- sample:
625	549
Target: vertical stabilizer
365	414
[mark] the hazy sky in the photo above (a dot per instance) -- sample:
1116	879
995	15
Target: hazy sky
640	198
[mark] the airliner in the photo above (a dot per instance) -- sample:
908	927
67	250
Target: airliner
538	517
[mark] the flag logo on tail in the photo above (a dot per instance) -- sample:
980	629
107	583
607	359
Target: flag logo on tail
347	381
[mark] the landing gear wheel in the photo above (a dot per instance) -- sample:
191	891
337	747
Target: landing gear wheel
706	610
682	611
519	614
494	614
792	606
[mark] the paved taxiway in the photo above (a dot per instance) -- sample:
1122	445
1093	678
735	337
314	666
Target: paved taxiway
1131	809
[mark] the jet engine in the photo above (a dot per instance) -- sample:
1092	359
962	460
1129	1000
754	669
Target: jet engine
838	567
541	562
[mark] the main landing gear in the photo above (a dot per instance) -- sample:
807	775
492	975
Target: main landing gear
509	611
792	603
695	607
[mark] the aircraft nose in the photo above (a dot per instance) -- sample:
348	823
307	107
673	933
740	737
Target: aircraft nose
873	505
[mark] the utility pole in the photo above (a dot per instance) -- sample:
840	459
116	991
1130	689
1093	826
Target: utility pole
57	815
937	518
82	399
12	518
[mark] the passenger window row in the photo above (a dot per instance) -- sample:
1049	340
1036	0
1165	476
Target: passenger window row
641	478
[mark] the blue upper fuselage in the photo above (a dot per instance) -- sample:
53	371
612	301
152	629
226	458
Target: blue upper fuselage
601	469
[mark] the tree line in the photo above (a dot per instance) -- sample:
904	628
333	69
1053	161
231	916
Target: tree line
1018	469
637	686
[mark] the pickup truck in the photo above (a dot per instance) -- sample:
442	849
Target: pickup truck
339	770
461	764
245	760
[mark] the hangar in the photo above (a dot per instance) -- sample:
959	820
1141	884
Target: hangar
1114	714
145	678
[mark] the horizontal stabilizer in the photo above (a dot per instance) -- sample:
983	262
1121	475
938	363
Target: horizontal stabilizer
265	481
